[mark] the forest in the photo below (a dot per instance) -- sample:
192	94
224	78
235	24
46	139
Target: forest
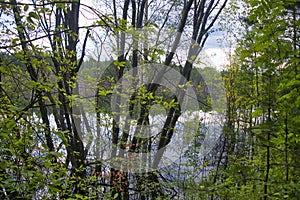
123	99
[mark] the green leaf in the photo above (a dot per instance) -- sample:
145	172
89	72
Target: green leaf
116	196
33	15
10	124
26	7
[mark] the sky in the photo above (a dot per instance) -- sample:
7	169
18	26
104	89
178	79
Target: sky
213	50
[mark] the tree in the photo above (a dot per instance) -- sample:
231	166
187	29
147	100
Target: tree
261	149
49	75
42	56
204	16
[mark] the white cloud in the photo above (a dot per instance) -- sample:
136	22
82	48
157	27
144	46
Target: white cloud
217	56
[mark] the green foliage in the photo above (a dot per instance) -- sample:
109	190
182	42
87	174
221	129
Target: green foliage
44	153
262	94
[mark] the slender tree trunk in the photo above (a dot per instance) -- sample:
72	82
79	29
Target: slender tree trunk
286	152
33	74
